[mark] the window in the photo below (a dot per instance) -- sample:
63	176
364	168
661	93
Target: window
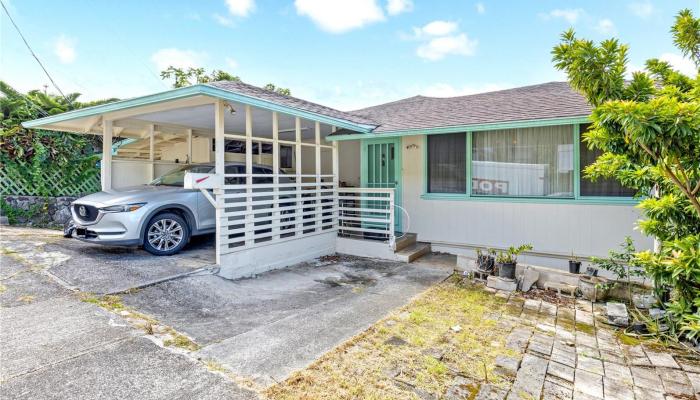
601	187
528	162
447	163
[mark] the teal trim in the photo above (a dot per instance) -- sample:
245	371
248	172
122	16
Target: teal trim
124	142
174	94
468	128
191	91
398	168
577	162
614	201
577	199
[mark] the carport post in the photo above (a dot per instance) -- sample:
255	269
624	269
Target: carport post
152	151
336	176
107	127
189	146
220	169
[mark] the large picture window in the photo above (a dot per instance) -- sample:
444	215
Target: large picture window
601	187
447	163
528	162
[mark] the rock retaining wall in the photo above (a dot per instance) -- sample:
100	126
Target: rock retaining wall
37	211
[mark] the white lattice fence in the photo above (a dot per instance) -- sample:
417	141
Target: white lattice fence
49	183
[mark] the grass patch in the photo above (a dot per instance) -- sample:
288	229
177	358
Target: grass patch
585	328
27	298
109	302
375	365
181	341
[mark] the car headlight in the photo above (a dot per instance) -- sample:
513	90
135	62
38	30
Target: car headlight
122	208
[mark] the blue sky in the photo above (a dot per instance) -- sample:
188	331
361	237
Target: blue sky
345	54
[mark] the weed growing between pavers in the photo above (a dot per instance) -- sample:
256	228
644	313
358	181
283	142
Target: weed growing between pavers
168	336
416	350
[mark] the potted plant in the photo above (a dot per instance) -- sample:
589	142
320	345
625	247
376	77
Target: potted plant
509	259
485	260
574	264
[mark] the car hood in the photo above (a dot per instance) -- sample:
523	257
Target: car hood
128	195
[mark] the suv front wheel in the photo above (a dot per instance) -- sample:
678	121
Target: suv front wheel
166	234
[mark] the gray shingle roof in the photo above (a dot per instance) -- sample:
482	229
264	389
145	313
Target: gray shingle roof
543	101
289	101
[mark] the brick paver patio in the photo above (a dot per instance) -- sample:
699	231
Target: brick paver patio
566	352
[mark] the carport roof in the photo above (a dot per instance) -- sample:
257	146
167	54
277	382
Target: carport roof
227	90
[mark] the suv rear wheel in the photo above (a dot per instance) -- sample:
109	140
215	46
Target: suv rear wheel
166	234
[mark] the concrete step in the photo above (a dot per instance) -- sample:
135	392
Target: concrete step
404	241
413	252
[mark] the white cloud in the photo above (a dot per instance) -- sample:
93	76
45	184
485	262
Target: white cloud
64	48
338	16
394	7
437	48
447	90
221	20
480	8
436	28
240	8
605	26
642	9
178	58
231	63
680	63
571	15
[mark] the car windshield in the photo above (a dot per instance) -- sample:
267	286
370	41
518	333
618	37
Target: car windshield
176	177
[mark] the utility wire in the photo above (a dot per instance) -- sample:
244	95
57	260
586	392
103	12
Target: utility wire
33	54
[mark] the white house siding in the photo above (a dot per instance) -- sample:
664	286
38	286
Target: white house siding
349	160
556	229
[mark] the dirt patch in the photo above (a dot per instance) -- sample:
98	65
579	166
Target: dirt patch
549	296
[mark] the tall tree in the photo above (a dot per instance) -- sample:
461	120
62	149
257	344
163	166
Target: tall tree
648	128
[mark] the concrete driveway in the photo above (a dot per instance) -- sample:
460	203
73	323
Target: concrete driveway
258	330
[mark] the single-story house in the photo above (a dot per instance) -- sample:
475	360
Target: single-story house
484	170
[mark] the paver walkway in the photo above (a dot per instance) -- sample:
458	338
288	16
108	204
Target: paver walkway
566	352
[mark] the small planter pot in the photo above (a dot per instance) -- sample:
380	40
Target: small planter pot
506	270
574	267
590	290
485	263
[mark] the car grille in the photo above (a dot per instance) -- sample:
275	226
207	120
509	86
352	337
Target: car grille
90	212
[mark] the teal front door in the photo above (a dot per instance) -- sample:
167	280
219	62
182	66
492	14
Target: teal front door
381	168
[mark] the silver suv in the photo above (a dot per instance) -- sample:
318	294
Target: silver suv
161	216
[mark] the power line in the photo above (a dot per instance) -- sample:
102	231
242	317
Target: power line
33	54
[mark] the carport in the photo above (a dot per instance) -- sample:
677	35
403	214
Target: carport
266	218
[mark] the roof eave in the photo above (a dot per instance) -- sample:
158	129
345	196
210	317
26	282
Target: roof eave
469	128
194	90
